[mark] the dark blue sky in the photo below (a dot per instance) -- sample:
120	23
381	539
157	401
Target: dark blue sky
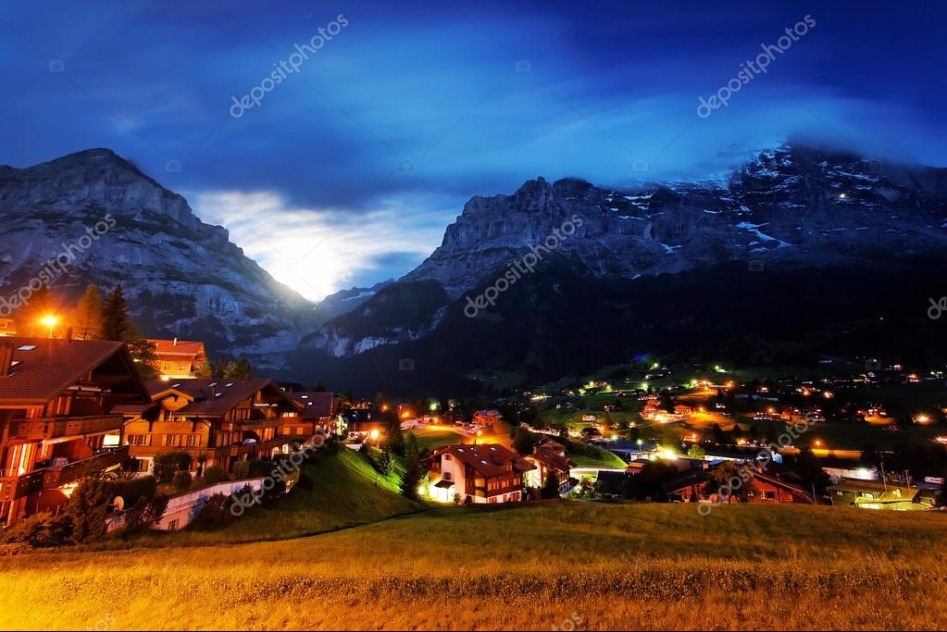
347	171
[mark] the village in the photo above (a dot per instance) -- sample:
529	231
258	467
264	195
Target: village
74	410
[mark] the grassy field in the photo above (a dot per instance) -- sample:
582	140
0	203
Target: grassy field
640	566
347	492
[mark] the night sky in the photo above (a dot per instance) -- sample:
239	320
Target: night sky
347	171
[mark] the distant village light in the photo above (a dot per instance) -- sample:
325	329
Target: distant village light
50	321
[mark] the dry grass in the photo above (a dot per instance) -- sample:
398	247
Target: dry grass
612	566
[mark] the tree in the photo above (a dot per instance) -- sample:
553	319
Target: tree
167	464
87	509
551	486
144	353
696	452
87	315
320	387
206	369
115	322
393	436
739	481
239	370
215	474
523	441
412	469
145	513
182	480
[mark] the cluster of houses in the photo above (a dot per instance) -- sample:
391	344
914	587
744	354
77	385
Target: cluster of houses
71	406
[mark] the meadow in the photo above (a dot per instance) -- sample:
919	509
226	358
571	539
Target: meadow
550	565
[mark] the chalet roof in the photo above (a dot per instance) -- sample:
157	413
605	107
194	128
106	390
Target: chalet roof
216	396
884	491
314	404
551	459
488	459
177	347
45	367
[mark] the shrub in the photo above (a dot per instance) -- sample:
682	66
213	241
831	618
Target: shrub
215	511
146	513
306	482
182	481
39	531
241	469
166	464
215	474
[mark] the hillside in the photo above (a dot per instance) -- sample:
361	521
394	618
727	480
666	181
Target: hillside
639	566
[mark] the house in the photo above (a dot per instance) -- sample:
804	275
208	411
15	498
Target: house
363	421
58	419
7	327
875	495
839	469
316	408
216	421
487	417
487	473
688	486
179	359
549	457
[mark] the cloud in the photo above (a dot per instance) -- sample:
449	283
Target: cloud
321	251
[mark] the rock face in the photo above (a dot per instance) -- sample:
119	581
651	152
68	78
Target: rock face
790	208
790	204
182	277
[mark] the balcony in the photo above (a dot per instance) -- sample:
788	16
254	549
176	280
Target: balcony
13	487
59	427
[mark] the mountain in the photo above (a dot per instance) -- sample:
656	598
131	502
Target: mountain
345	301
110	223
788	248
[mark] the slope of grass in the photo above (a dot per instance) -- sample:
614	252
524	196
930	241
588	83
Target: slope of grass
347	492
647	566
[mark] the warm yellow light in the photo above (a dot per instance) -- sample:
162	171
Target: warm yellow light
49	320
373	435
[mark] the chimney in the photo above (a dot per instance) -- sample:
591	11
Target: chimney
175	342
69	334
6	358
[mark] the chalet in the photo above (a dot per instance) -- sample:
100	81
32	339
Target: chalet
486	473
688	486
216	421
58	419
875	495
316	408
179	359
549	457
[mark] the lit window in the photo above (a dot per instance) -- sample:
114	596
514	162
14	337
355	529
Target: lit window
26	347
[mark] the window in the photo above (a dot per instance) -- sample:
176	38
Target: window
26	347
448	476
173	525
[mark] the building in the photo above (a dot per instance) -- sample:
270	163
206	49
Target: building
58	419
688	486
7	327
549	456
487	473
179	359
216	421
875	495
486	417
316	408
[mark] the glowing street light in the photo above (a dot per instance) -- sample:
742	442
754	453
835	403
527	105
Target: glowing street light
50	321
373	435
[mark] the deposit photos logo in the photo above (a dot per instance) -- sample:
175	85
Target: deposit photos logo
285	68
750	69
521	267
56	266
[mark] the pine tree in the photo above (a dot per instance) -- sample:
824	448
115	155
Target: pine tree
412	470
115	322
87	315
550	486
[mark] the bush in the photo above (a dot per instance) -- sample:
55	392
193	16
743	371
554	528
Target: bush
133	489
182	481
241	469
166	464
214	512
306	482
215	474
39	531
87	509
145	514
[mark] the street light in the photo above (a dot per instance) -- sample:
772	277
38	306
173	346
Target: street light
50	321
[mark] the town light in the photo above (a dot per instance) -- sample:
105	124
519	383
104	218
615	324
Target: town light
373	435
50	321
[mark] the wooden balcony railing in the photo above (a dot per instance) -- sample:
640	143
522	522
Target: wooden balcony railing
59	427
13	487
